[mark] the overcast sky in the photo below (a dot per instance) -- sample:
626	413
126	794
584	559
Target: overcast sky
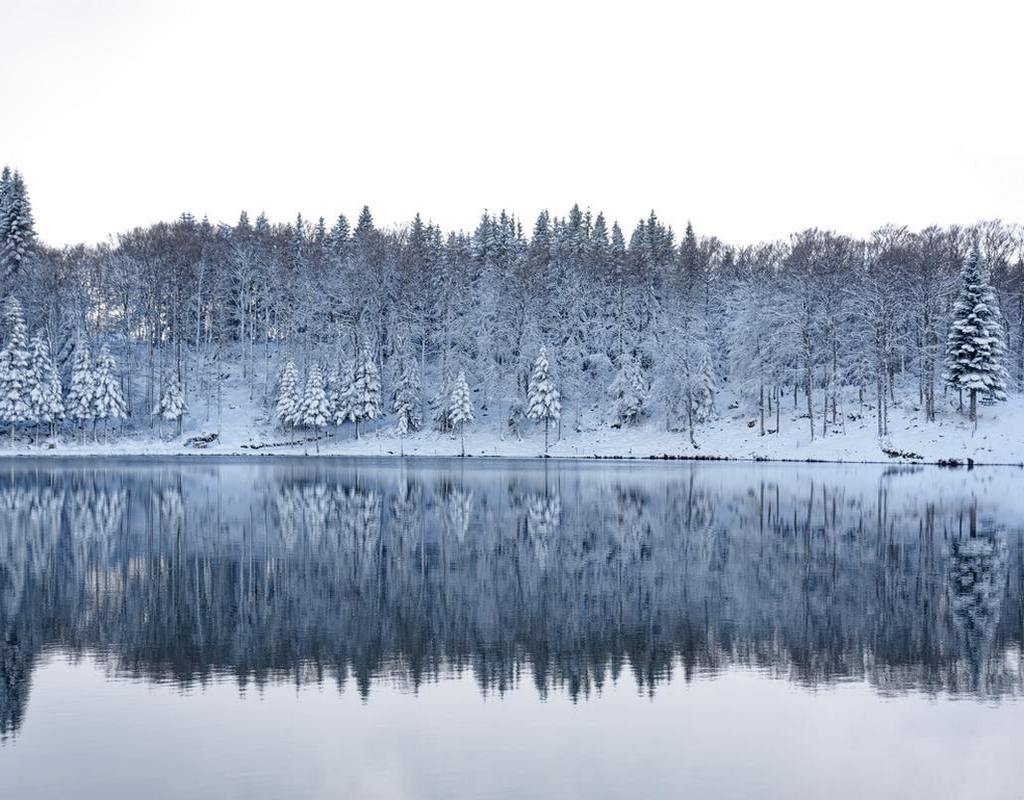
752	119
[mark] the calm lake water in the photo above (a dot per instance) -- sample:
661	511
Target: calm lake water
277	628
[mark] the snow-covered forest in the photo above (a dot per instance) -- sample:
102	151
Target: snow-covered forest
326	329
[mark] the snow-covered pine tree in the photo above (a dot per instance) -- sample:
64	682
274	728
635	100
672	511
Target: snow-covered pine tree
406	400
17	230
288	400
543	399
342	394
976	345
332	379
15	369
108	400
171	407
83	384
629	393
46	404
707	386
460	407
316	408
366	392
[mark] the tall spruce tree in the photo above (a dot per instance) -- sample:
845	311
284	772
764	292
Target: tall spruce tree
15	369
976	344
17	228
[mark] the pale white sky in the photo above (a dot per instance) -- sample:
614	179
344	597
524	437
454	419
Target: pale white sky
753	119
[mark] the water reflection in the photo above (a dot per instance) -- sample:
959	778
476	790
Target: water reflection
359	572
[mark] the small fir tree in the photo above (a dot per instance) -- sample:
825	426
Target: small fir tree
108	400
406	400
316	408
343	394
543	399
460	408
83	385
288	401
366	392
171	406
332	379
46	404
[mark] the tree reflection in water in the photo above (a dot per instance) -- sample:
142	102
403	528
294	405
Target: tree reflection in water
570	574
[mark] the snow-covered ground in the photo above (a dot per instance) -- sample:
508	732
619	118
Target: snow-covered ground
248	428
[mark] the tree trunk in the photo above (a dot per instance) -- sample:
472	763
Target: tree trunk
810	400
760	399
689	417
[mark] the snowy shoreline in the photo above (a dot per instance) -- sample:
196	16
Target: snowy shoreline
999	441
190	453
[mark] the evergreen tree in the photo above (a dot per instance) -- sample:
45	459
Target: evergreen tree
46	403
17	229
366	391
629	393
171	406
406	400
15	369
288	401
976	345
108	400
343	394
316	408
689	257
460	407
332	379
543	398
338	238
83	384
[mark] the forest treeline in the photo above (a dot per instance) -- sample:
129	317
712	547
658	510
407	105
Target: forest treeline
638	323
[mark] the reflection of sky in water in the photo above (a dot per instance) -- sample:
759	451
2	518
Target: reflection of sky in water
260	628
737	736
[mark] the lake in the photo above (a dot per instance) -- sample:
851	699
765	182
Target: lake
467	628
